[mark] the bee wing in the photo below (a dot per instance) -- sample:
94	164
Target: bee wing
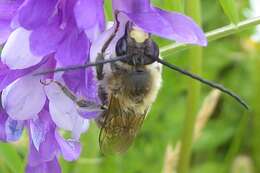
119	129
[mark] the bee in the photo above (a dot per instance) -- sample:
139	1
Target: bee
128	84
128	87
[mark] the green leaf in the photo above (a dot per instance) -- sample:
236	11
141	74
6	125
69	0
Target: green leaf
11	158
230	10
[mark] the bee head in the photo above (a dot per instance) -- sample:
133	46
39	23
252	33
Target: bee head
138	46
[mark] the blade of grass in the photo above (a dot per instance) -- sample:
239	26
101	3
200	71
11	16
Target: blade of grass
230	9
256	114
213	35
192	7
236	143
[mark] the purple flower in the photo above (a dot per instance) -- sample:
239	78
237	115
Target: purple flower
38	36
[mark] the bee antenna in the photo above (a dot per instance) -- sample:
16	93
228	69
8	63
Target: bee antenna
204	81
76	67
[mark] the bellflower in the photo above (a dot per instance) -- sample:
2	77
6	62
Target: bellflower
38	36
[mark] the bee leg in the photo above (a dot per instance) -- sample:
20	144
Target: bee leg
81	103
99	68
100	56
67	92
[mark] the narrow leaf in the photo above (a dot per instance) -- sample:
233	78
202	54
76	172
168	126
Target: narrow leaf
230	9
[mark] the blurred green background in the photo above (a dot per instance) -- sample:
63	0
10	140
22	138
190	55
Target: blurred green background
230	140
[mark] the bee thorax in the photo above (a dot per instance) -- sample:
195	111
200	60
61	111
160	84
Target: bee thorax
136	87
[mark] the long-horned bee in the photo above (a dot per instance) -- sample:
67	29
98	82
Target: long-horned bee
128	87
128	82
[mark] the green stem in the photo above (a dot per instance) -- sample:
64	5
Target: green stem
214	35
256	113
195	60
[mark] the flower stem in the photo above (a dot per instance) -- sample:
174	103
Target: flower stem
214	35
195	59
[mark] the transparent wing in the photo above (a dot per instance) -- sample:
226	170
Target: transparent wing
119	129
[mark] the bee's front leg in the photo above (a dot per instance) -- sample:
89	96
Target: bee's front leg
83	104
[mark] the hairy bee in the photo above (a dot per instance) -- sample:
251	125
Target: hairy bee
128	87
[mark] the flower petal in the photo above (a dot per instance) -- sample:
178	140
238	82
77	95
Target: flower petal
170	25
13	129
91	86
8	9
63	110
45	167
93	32
37	132
46	39
7	12
3	70
75	82
88	13
74	49
3	118
8	76
131	6
33	13
22	57
48	149
5	31
70	149
184	28
81	125
24	98
40	127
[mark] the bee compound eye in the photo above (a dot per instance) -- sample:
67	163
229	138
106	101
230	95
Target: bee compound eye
154	49
121	46
151	49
